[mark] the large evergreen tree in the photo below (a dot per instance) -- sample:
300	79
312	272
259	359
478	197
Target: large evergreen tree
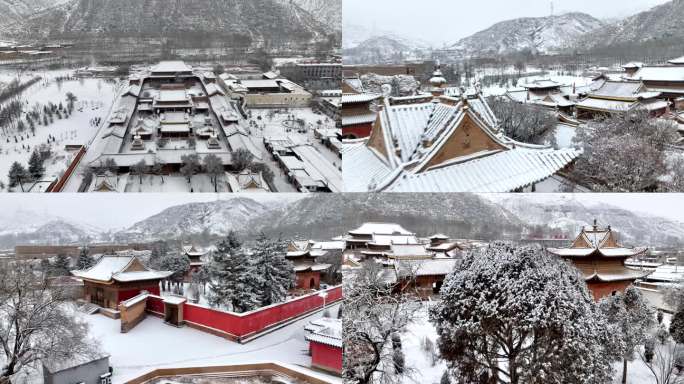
518	315
276	273
233	276
84	260
61	266
18	175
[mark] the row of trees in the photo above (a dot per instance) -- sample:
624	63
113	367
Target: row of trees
507	315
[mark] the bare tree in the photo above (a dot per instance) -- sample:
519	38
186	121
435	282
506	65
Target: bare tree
191	165
663	364
526	123
213	167
373	313
242	159
35	322
624	153
139	169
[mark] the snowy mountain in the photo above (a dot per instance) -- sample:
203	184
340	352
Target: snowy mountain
362	45
329	12
324	216
217	217
381	49
536	34
23	226
12	11
663	22
569	215
235	21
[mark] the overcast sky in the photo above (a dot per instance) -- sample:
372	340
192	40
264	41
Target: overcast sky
112	211
441	21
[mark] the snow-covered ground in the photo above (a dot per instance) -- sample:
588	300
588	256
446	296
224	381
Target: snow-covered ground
153	344
95	97
418	359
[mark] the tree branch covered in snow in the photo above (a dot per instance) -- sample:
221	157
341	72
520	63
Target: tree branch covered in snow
624	153
35	322
526	123
373	314
518	315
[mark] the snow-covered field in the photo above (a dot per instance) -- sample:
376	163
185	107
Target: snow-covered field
95	97
153	344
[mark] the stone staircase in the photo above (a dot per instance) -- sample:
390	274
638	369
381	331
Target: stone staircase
87	308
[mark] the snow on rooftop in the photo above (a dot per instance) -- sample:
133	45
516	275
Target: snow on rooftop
327	332
171	66
380	229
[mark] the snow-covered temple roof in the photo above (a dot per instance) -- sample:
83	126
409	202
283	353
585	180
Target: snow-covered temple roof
432	267
595	240
325	331
677	61
445	145
120	268
171	67
380	229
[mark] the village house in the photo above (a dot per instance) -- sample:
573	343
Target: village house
667	80
266	92
325	344
78	369
308	270
545	93
448	145
378	235
356	109
621	96
601	260
118	278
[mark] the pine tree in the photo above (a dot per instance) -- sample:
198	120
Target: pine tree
17	175
84	260
232	276
677	326
61	266
36	168
276	273
631	317
531	298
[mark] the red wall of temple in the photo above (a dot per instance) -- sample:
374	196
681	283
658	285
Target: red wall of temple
359	130
304	280
249	323
128	293
326	357
600	290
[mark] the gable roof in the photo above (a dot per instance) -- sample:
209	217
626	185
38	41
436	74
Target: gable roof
446	145
119	268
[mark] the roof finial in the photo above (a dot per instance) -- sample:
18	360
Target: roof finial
595	225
